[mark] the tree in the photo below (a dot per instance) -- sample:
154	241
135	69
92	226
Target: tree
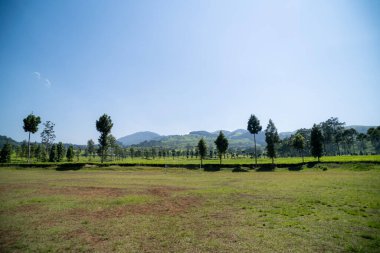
77	153
254	128
221	145
90	147
5	153
60	152
271	138
48	135
362	138
53	154
374	136
70	153
31	123
202	150
316	140
299	144
349	136
104	126
332	131
112	145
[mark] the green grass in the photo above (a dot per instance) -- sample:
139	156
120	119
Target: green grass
228	161
178	210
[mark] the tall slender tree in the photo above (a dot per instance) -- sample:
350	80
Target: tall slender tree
254	128
90	149
202	148
60	152
271	138
5	153
48	135
298	143
221	145
31	123
316	142
70	153
104	126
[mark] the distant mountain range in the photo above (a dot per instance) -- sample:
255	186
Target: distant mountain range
239	138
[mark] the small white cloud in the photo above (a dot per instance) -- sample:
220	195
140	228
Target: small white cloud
43	80
47	83
38	75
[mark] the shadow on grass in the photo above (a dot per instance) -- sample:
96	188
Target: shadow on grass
69	166
239	169
295	168
266	168
211	168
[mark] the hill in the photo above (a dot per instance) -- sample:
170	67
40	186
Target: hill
360	129
237	139
5	139
138	137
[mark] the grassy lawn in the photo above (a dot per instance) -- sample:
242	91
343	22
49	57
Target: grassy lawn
179	210
240	160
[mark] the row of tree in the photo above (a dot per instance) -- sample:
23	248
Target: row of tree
327	138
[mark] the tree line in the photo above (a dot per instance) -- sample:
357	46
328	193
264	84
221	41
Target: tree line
324	139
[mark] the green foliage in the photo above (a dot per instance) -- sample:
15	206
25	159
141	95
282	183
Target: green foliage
254	128
104	126
48	134
316	142
53	155
332	133
221	145
31	123
374	136
5	153
60	152
298	143
271	138
70	153
202	149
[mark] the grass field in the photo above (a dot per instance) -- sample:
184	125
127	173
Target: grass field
230	161
179	210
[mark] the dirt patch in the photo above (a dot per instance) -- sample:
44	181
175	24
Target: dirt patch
7	239
84	191
166	206
10	187
164	191
84	236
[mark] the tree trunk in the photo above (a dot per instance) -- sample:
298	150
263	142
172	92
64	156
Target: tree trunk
254	138
29	148
338	148
272	160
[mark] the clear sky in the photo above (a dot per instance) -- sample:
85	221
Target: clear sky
176	66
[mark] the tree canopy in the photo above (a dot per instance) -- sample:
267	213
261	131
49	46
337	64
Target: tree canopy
221	143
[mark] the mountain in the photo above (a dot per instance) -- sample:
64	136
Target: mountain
360	129
138	137
237	139
5	139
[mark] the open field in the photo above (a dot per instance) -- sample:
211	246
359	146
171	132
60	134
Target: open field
179	210
228	161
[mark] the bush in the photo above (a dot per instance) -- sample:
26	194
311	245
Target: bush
5	153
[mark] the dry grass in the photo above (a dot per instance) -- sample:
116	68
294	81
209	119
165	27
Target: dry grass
177	210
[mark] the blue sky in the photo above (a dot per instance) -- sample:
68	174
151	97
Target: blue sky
176	66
